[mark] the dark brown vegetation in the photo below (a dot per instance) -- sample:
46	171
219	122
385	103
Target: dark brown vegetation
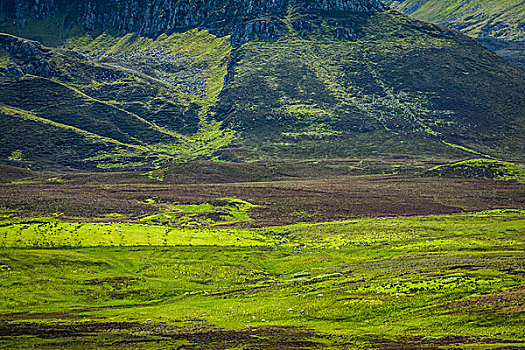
279	202
209	337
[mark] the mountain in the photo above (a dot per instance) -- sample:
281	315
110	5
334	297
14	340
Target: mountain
120	84
498	24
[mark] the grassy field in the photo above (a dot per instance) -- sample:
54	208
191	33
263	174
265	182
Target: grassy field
349	262
420	282
481	168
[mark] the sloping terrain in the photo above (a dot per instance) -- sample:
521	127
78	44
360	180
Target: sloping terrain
400	87
481	168
139	116
477	18
287	80
498	24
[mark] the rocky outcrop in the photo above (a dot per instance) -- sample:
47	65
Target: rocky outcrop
265	30
345	5
28	57
242	18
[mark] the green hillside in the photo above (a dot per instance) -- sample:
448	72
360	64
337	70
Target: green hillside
498	24
319	85
403	87
141	115
477	18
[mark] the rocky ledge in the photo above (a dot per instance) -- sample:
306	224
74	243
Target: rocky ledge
28	57
240	18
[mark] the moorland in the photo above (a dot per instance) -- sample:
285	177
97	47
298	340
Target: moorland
382	261
285	174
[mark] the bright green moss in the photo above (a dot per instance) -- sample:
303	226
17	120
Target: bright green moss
215	212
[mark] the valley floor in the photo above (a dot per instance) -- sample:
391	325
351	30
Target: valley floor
361	262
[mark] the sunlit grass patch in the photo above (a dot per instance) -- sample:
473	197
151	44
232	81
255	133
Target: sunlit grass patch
213	212
52	234
449	276
427	233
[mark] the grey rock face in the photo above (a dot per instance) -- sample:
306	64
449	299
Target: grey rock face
153	17
355	6
265	30
29	57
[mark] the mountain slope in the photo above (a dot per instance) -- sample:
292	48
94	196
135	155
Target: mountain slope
402	87
498	24
289	80
147	117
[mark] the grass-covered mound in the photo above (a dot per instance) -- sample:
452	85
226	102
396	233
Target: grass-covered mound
481	168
